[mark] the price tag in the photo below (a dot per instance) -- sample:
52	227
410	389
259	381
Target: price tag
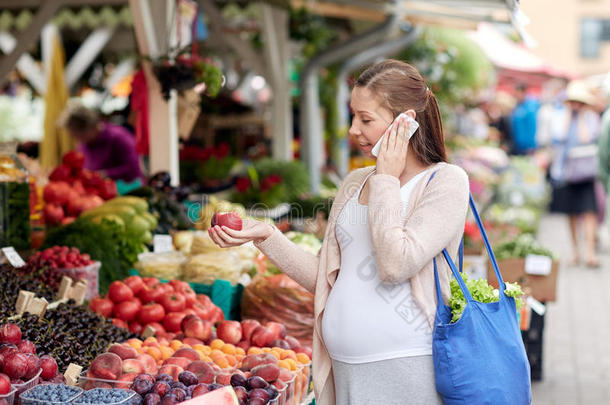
72	373
536	306
163	243
148	332
13	257
538	265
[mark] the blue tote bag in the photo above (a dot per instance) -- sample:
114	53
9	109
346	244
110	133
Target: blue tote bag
480	359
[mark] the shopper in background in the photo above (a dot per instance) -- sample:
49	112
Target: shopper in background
604	143
524	122
373	279
108	148
574	169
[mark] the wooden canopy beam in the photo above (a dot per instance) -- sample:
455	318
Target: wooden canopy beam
28	37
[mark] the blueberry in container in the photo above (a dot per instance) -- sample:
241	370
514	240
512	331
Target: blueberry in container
53	394
108	396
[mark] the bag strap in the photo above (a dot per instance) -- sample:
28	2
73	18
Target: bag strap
455	271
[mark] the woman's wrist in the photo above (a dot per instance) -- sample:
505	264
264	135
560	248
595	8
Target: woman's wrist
269	229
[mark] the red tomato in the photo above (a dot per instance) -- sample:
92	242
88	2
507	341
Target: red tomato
152	294
102	306
126	310
151	313
172	321
205	300
120	323
189	311
156	326
173	302
150	281
201	311
119	292
135	283
185	289
136	328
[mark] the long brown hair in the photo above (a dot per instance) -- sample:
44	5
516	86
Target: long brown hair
400	87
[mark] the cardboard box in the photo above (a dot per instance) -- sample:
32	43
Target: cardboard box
543	288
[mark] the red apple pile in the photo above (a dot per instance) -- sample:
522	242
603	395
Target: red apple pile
137	302
73	190
19	362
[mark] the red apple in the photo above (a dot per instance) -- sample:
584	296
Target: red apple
229	219
262	336
277	328
198	329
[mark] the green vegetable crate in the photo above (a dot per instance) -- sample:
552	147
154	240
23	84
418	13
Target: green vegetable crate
224	295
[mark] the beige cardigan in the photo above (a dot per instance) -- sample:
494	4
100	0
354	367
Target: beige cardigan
405	242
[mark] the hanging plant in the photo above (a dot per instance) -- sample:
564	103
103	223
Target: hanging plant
187	71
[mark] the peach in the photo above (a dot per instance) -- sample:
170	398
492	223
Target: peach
179	361
229	331
262	336
278	329
253	360
268	372
200	389
148	362
187	353
293	342
154	352
305	350
172	370
192	341
223	378
135	343
106	366
125	381
132	366
244	345
247	327
166	352
285	375
196	328
204	371
123	351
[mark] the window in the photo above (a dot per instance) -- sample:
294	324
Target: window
591	36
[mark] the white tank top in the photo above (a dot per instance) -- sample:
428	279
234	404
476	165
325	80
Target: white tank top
366	320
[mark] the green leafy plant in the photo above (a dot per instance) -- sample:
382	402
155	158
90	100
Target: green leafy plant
520	247
481	291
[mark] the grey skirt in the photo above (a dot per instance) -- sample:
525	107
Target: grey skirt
403	381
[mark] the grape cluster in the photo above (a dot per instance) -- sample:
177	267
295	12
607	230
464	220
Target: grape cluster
11	282
72	334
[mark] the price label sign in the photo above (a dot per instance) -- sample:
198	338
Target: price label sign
162	243
13	257
538	265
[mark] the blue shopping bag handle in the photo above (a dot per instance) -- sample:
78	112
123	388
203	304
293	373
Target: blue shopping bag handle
455	271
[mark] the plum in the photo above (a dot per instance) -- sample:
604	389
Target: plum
256	382
238	380
188	378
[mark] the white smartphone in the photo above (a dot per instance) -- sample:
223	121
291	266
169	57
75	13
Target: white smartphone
413	125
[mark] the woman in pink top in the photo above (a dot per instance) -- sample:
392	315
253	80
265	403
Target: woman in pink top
373	279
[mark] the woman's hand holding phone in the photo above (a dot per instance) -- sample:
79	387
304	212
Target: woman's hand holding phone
392	157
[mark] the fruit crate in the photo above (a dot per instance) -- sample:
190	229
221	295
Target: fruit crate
222	293
20	388
33	401
132	399
8	399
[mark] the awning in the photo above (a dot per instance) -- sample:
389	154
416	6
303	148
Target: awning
506	54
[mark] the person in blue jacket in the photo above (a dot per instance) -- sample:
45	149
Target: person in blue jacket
524	122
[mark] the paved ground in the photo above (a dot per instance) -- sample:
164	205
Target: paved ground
576	367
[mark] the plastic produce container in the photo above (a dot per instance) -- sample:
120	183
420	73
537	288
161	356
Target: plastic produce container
33	401
131	399
25	386
8	399
14	201
89	383
89	273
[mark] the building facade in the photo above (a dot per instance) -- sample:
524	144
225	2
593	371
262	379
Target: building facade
573	35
